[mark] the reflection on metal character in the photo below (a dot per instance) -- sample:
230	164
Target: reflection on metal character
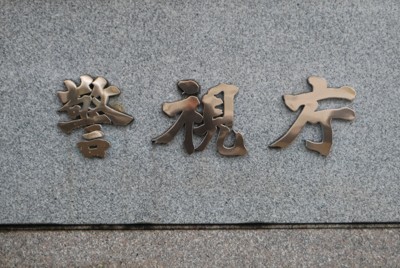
87	106
309	114
217	115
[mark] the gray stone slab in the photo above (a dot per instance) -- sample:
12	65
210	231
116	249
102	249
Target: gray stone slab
266	48
245	248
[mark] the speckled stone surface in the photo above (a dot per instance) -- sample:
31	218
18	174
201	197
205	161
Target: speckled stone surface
257	248
266	48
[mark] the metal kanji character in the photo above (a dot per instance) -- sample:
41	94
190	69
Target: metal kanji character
86	105
309	114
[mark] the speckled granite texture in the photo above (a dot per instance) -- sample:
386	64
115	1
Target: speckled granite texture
266	48
260	248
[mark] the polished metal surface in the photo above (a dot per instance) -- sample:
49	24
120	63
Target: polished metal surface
309	114
217	115
87	106
93	135
93	148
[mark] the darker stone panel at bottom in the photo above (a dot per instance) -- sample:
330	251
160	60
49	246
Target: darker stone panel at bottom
203	248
